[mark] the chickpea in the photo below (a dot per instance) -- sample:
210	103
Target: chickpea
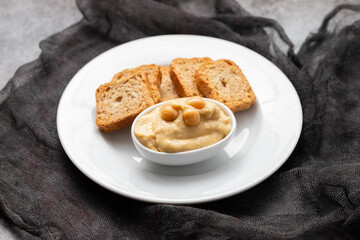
196	102
168	113
191	117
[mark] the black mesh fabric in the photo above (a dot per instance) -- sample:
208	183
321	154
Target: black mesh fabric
314	195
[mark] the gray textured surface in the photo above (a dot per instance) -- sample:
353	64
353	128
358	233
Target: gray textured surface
297	17
23	23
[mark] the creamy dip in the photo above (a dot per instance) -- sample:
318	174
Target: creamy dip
179	134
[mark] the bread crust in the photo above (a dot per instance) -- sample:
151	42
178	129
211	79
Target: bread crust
153	75
167	88
182	73
223	80
113	110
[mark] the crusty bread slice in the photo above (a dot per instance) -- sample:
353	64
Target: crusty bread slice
182	73
223	80
122	74
119	102
153	74
167	89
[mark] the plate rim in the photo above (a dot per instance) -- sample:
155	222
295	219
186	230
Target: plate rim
165	200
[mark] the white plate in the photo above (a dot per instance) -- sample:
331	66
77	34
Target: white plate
266	134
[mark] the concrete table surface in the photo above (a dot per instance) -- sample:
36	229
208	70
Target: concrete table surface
23	23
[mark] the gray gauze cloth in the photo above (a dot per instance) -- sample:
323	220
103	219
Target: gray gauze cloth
314	195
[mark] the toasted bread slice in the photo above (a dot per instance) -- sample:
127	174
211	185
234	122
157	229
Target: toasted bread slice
153	74
167	89
223	80
122	74
119	102
182	73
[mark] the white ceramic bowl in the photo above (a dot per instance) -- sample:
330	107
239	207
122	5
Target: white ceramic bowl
187	157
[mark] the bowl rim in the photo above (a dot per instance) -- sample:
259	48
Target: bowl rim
225	108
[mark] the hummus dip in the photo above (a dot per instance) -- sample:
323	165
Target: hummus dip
190	123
